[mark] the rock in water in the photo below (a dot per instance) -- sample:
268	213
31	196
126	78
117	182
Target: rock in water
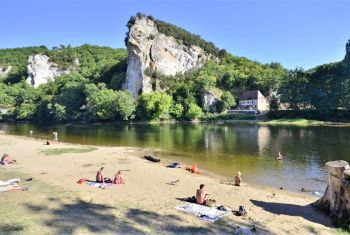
149	49
41	70
336	199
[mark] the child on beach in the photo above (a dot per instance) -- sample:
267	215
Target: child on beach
238	179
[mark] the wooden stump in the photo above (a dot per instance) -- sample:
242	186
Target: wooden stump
336	200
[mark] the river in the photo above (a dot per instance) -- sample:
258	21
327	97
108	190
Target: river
222	149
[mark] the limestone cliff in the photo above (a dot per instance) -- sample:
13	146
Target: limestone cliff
41	70
149	49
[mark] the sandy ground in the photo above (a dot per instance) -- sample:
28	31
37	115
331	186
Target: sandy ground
145	204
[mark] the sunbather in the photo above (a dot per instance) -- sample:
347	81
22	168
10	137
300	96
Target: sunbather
201	195
12	188
118	179
6	160
99	176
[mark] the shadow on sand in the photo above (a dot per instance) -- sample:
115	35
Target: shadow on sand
79	215
308	212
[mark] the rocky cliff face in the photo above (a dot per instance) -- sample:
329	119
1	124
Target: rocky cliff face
149	49
347	49
41	70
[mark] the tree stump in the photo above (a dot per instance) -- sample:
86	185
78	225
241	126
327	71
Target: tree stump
336	200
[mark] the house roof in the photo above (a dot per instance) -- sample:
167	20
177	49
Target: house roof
250	95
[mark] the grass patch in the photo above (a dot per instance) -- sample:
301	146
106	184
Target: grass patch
59	151
294	122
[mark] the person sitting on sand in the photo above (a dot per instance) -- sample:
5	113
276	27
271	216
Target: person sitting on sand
6	160
201	195
279	157
99	176
47	142
238	179
118	179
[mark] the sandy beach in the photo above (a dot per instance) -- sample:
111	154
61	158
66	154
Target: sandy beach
55	203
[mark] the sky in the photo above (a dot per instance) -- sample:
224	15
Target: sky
296	33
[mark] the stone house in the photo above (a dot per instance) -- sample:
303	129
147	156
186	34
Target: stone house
253	100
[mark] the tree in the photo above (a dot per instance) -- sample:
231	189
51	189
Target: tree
125	104
154	106
101	103
226	102
176	110
193	112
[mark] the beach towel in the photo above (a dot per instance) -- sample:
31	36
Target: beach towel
9	182
96	184
203	212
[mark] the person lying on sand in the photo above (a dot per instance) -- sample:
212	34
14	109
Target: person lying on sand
279	157
118	179
12	188
6	160
238	179
201	195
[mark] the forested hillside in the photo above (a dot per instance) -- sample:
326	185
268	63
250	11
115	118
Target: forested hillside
93	90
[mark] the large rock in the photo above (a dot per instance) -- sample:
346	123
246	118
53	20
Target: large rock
347	49
210	99
4	70
149	49
41	70
336	200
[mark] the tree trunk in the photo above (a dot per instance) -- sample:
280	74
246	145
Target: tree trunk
336	200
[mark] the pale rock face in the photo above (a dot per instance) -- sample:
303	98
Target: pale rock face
41	70
4	70
149	49
209	100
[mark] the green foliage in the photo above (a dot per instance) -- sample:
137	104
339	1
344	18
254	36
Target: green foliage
226	102
193	112
101	102
155	106
126	105
325	88
176	111
273	104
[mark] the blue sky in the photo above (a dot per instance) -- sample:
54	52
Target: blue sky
302	33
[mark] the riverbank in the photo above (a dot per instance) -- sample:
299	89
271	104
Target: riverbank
55	203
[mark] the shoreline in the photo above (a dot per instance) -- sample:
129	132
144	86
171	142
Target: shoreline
167	160
145	204
301	122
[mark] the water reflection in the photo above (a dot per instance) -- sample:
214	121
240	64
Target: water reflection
222	149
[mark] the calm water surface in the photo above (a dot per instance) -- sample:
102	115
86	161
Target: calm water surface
222	149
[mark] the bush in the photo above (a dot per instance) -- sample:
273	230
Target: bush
154	106
193	112
176	111
126	104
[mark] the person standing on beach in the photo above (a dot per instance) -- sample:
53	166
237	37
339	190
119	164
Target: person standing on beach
201	195
279	157
55	136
